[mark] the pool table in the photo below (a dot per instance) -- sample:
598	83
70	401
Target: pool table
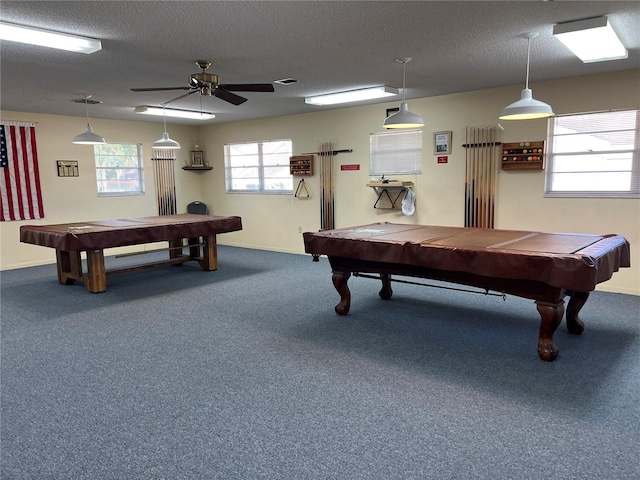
71	239
544	267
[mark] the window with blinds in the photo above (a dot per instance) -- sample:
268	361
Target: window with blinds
594	155
395	153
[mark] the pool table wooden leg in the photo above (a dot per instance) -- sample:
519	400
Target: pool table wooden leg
340	282
69	266
551	315
209	253
386	290
95	280
576	302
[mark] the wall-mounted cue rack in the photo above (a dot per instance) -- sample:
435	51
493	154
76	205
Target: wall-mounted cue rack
523	156
301	165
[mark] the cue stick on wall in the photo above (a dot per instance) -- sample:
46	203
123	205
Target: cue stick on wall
165	181
481	175
327	187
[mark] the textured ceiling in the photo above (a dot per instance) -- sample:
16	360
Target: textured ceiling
327	46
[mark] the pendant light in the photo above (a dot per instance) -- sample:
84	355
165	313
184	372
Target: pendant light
165	143
527	107
88	137
403	118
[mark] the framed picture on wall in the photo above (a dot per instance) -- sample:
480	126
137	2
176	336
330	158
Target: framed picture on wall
442	143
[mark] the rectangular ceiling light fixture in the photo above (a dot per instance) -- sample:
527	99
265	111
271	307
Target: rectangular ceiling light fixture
47	38
592	40
174	112
352	95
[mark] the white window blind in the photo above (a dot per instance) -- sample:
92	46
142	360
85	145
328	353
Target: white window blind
594	155
395	152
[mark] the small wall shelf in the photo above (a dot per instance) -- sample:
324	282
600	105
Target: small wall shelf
523	156
203	168
301	165
398	189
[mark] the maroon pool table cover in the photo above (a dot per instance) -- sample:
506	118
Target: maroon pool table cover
571	261
100	234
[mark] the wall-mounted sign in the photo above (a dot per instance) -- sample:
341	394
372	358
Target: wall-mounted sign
442	143
443	159
353	166
67	168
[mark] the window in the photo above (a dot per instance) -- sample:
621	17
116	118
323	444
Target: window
118	169
395	152
594	155
259	167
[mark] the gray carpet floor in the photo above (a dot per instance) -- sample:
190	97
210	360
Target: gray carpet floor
247	373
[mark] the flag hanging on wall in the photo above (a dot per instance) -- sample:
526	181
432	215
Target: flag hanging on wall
21	198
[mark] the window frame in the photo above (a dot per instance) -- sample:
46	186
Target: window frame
261	167
120	171
552	167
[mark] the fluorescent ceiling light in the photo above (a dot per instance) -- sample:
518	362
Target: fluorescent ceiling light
592	40
174	112
47	38
352	95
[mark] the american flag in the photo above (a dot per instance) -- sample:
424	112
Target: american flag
20	195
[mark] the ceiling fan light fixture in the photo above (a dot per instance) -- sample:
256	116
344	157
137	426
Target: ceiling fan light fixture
48	38
403	118
174	112
527	108
349	96
591	40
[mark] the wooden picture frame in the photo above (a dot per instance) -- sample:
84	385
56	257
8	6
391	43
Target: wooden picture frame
442	143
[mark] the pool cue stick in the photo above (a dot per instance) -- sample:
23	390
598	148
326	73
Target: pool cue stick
467	186
488	173
331	183
479	184
485	178
476	185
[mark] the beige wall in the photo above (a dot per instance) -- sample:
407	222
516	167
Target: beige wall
273	222
76	198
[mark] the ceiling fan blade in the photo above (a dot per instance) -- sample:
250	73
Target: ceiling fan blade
227	96
159	89
248	87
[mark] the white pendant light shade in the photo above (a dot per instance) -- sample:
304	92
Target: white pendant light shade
166	143
88	138
403	119
526	108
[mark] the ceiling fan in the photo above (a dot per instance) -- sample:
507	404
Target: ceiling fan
208	84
